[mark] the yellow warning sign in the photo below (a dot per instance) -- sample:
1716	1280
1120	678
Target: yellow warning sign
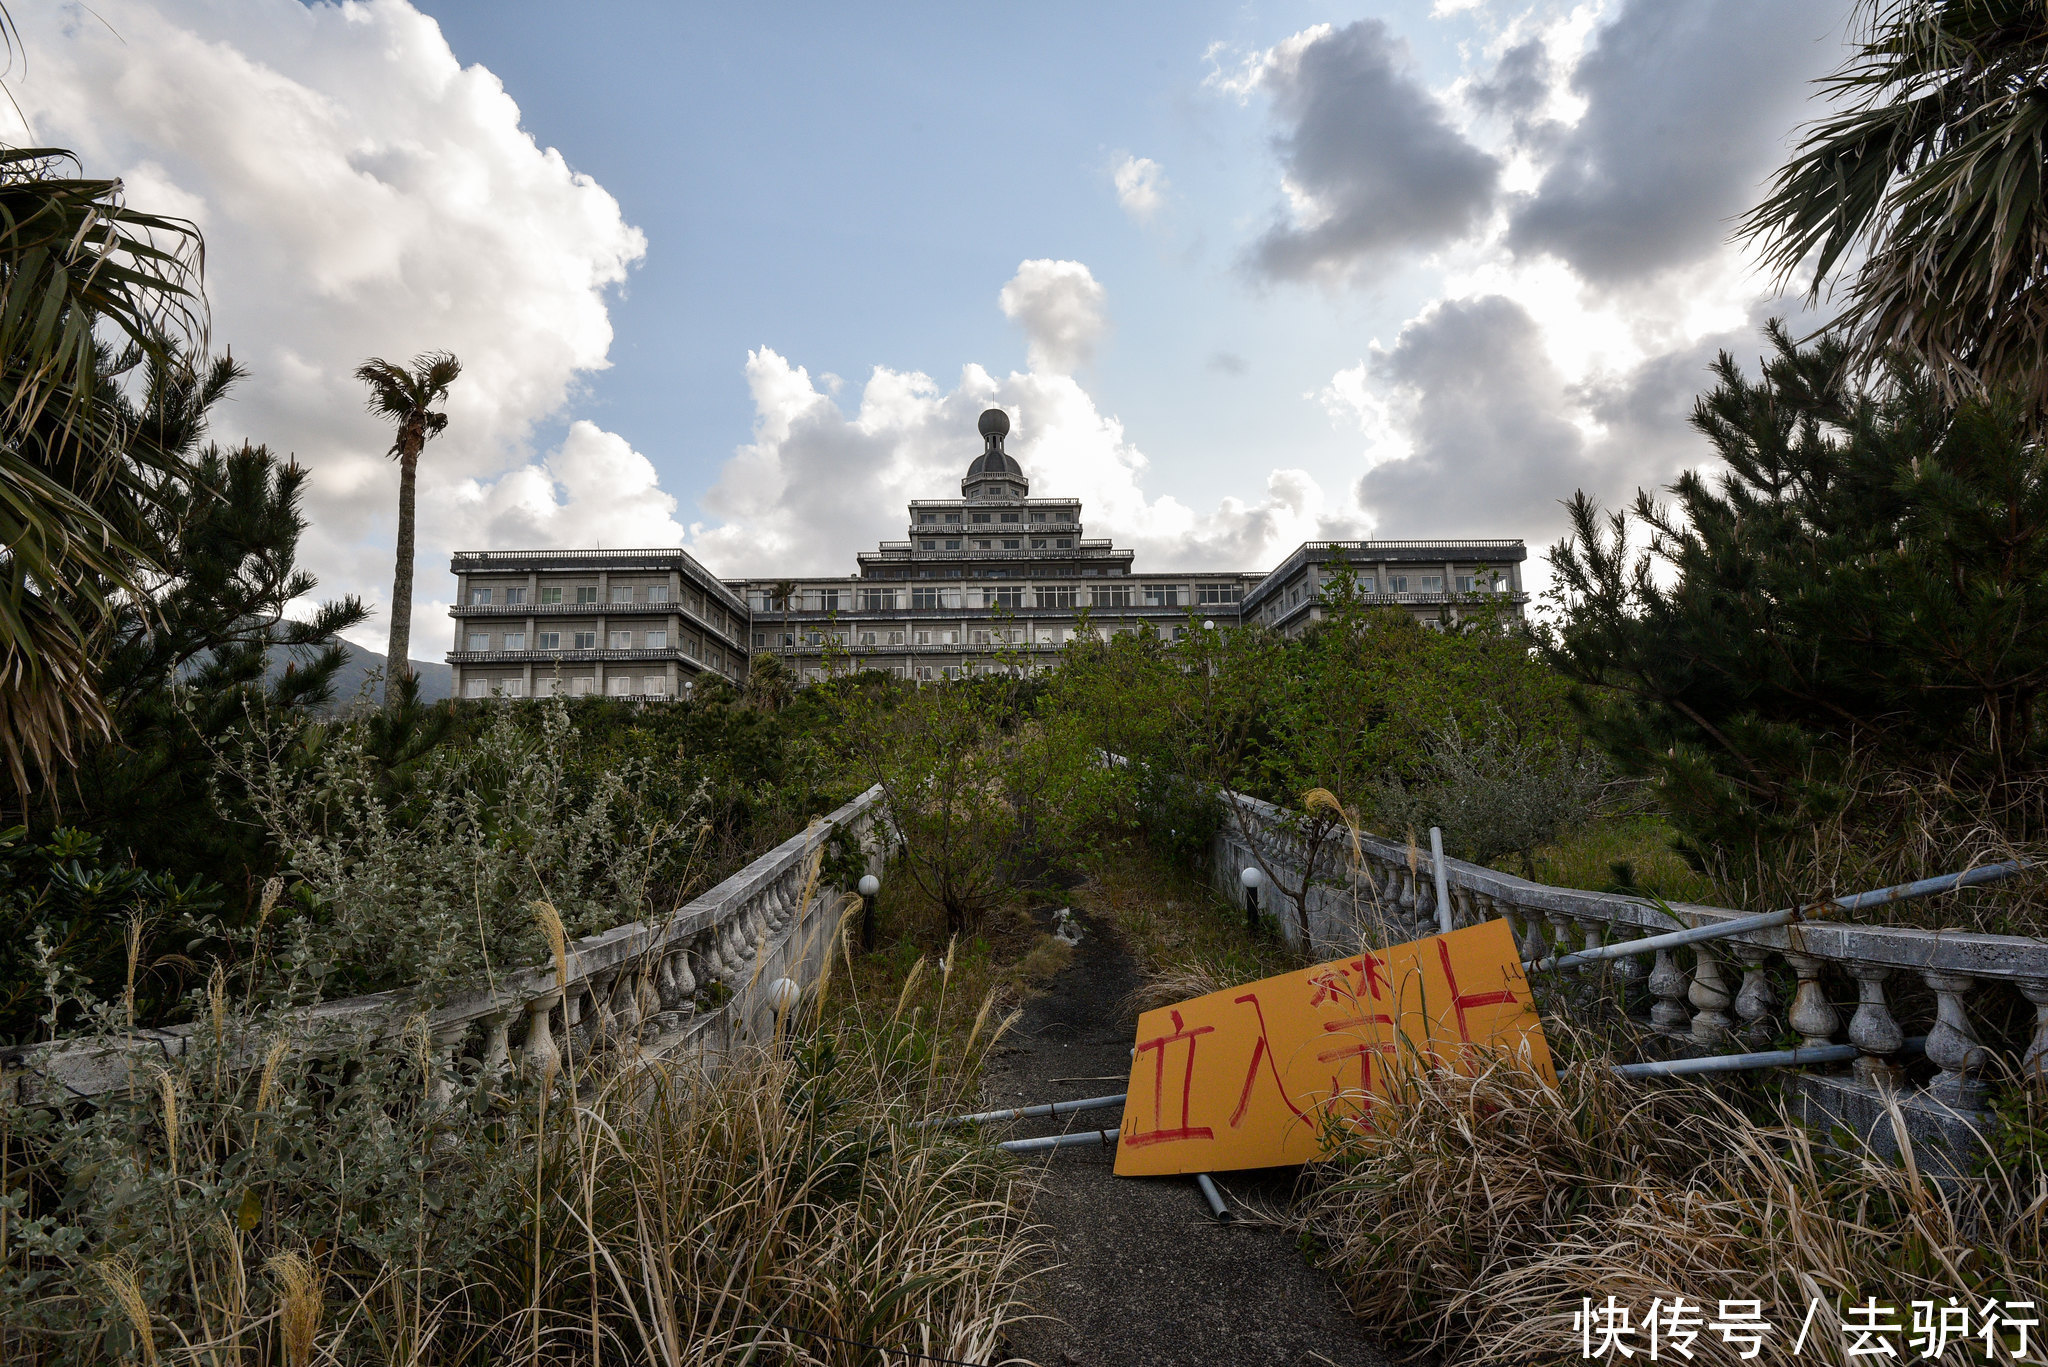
1264	1074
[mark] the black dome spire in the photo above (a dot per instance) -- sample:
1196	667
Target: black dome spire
994	461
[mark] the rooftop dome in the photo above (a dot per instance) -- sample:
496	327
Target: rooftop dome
993	460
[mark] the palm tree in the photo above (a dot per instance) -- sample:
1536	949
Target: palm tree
80	273
1936	170
407	397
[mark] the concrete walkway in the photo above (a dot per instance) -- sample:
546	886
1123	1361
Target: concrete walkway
1144	1277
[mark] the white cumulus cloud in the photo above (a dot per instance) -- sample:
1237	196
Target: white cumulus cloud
1140	186
363	193
1062	309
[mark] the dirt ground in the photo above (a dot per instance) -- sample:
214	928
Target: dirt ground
1140	1275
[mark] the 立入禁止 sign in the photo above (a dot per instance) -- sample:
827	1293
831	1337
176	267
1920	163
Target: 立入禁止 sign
1259	1075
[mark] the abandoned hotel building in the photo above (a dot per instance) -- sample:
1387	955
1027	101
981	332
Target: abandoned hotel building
994	579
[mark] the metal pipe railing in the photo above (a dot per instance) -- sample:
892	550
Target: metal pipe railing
1106	1138
1093	1103
1770	1058
1925	887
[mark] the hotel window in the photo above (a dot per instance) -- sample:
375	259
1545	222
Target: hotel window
622	640
828	600
924	638
513	688
476	688
1432	583
1063	517
924	673
1009	517
622	593
927	545
924	598
927	517
551	596
1037	543
984	545
1110	595
1365	583
1397	583
657	593
479	640
479	598
513	598
895	638
981	517
1218	593
979	638
952	545
515	640
952	517
867	638
580	686
657	640
1464	583
619	686
1162	595
1066	543
654	686
546	687
877	600
587	594
586	640
1063	596
1012	544
1010	596
760	639
548	640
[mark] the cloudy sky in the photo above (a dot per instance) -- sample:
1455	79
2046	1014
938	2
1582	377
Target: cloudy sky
740	277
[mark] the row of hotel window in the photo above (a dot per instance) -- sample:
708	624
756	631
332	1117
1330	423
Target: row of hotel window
582	685
998	596
1418	583
577	640
1051	516
512	596
938	636
1013	543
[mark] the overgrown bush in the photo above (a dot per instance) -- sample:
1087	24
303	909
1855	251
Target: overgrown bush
782	1206
431	885
1481	1213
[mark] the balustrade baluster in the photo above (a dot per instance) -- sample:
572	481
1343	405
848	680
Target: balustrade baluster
1532	946
1710	995
539	1055
1561	935
1812	1014
1754	1000
1667	985
2034	1062
1872	1029
497	1042
597	1032
443	1054
1953	1045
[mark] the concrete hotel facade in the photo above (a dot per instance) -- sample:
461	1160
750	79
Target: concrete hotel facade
994	579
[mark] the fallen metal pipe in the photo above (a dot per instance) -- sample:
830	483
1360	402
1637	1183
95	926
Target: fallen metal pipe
1215	1199
1107	1138
1714	930
1772	1058
1443	882
1093	1103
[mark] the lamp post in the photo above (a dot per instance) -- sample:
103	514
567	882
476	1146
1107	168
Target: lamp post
869	885
1252	878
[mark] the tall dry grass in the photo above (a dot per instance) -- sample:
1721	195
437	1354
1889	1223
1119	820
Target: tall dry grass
776	1207
1485	1210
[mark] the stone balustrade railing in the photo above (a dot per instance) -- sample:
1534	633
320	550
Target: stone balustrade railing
1823	979
699	979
